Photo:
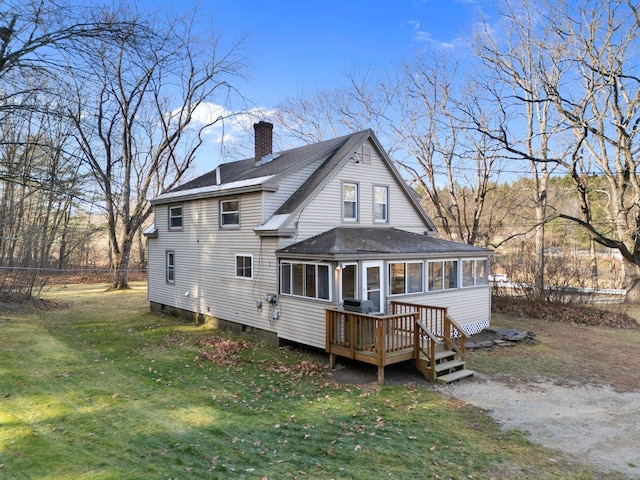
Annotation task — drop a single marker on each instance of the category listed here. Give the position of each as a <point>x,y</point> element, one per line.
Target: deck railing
<point>437,322</point>
<point>376,339</point>
<point>411,332</point>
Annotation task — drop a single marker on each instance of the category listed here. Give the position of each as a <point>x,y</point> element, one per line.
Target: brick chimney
<point>264,139</point>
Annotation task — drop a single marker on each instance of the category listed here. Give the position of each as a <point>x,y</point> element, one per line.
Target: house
<point>271,245</point>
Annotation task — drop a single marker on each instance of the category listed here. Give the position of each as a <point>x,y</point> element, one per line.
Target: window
<point>229,213</point>
<point>443,275</point>
<point>349,281</point>
<point>244,266</point>
<point>405,278</point>
<point>350,202</point>
<point>474,273</point>
<point>170,266</point>
<point>380,204</point>
<point>305,280</point>
<point>175,217</point>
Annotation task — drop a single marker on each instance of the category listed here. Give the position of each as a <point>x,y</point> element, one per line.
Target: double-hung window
<point>350,202</point>
<point>475,272</point>
<point>230,213</point>
<point>175,217</point>
<point>170,266</point>
<point>305,280</point>
<point>380,204</point>
<point>244,266</point>
<point>405,277</point>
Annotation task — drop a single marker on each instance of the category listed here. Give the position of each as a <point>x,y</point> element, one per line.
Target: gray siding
<point>205,280</point>
<point>325,211</point>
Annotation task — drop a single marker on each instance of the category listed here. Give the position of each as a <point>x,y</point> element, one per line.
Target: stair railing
<point>425,349</point>
<point>438,323</point>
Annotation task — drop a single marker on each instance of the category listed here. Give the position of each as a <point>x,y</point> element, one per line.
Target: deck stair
<point>449,366</point>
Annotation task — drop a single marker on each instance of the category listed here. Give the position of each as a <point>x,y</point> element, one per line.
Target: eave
<point>260,184</point>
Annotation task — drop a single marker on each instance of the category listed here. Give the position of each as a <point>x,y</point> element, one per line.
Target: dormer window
<point>350,202</point>
<point>175,217</point>
<point>230,213</point>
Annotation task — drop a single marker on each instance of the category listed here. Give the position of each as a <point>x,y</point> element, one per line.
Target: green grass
<point>102,389</point>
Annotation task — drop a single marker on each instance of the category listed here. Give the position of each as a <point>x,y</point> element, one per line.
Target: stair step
<point>439,356</point>
<point>451,364</point>
<point>455,376</point>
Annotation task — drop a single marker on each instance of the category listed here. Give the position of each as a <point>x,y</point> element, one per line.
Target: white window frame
<point>475,281</point>
<point>170,267</point>
<point>356,202</point>
<point>385,204</point>
<point>406,282</point>
<point>244,267</point>
<point>443,274</point>
<point>303,287</point>
<point>223,214</point>
<point>173,217</point>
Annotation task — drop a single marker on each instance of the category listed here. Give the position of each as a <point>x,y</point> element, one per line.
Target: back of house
<point>267,244</point>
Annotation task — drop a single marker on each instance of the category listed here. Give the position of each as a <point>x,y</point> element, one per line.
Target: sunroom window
<point>405,277</point>
<point>475,272</point>
<point>309,280</point>
<point>443,275</point>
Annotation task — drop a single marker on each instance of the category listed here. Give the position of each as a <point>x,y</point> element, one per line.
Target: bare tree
<point>519,59</point>
<point>599,99</point>
<point>133,110</point>
<point>414,110</point>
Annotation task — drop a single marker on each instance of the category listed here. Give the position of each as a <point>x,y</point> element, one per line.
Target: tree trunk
<point>122,266</point>
<point>632,282</point>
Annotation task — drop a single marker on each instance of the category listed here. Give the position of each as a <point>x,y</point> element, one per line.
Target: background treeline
<point>523,137</point>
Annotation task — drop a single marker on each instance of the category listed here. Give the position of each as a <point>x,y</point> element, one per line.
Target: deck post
<point>381,375</point>
<point>332,361</point>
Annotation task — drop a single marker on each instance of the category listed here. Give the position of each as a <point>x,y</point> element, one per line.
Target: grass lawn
<point>102,389</point>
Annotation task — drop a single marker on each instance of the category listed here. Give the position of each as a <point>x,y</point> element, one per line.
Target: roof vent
<point>263,140</point>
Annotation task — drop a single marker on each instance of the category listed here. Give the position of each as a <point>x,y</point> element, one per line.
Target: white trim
<point>364,290</point>
<point>210,189</point>
<point>235,266</point>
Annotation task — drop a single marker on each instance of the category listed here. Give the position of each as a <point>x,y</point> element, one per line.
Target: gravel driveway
<point>595,425</point>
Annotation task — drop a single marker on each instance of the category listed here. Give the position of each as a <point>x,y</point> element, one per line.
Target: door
<point>373,284</point>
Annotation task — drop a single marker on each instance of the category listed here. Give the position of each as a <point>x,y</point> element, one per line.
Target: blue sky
<point>296,47</point>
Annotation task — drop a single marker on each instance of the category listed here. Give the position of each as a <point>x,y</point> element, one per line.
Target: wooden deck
<point>383,340</point>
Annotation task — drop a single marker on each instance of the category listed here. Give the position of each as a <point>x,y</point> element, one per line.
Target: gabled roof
<point>247,175</point>
<point>246,170</point>
<point>350,243</point>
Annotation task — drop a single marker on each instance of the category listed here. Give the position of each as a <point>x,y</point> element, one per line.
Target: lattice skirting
<point>475,327</point>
